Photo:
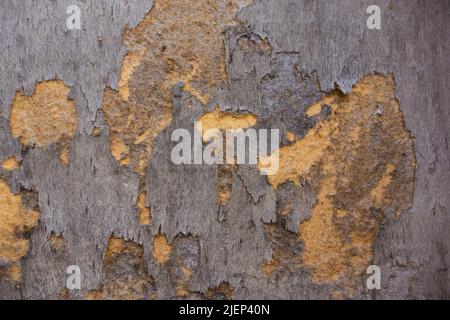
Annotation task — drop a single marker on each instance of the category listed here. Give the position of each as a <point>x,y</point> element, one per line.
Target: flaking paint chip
<point>15,220</point>
<point>45,117</point>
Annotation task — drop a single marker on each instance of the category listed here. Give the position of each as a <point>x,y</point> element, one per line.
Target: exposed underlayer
<point>178,41</point>
<point>360,163</point>
<point>16,223</point>
<point>46,117</point>
<point>86,176</point>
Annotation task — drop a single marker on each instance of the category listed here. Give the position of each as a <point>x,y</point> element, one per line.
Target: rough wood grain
<point>280,58</point>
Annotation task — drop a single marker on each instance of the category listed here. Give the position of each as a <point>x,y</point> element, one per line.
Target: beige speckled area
<point>45,117</point>
<point>10,164</point>
<point>361,164</point>
<point>131,61</point>
<point>15,220</point>
<point>223,121</point>
<point>178,41</point>
<point>161,249</point>
<point>145,216</point>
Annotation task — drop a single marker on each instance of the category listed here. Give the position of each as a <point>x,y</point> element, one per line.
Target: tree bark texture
<point>87,180</point>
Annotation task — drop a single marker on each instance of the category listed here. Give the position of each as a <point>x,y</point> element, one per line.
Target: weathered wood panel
<point>85,145</point>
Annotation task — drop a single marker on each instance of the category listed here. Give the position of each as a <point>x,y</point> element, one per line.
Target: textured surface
<point>177,41</point>
<point>85,144</point>
<point>16,222</point>
<point>360,162</point>
<point>44,118</point>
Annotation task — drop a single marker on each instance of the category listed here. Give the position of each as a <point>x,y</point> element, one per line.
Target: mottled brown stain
<point>161,249</point>
<point>182,266</point>
<point>360,162</point>
<point>285,248</point>
<point>64,294</point>
<point>124,272</point>
<point>10,164</point>
<point>255,44</point>
<point>177,41</point>
<point>130,62</point>
<point>46,117</point>
<point>15,222</point>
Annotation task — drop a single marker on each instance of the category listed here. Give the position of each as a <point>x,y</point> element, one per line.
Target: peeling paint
<point>361,164</point>
<point>131,61</point>
<point>15,222</point>
<point>183,266</point>
<point>178,41</point>
<point>46,117</point>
